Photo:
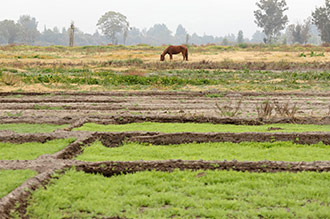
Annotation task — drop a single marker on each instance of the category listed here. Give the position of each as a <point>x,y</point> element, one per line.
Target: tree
<point>28,29</point>
<point>270,16</point>
<point>299,33</point>
<point>9,31</point>
<point>180,34</point>
<point>258,37</point>
<point>240,37</point>
<point>321,18</point>
<point>187,39</point>
<point>159,34</point>
<point>113,23</point>
<point>225,42</point>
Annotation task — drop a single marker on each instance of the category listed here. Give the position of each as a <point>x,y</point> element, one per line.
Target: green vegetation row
<point>246,151</point>
<point>10,179</point>
<point>184,194</point>
<point>259,80</point>
<point>200,127</point>
<point>31,128</point>
<point>31,150</point>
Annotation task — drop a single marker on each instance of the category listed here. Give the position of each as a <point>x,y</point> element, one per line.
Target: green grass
<point>10,179</point>
<point>31,128</point>
<point>161,76</point>
<point>182,194</point>
<point>246,151</point>
<point>31,150</point>
<point>199,127</point>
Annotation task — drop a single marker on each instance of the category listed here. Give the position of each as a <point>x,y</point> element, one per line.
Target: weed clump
<point>230,110</point>
<point>10,79</point>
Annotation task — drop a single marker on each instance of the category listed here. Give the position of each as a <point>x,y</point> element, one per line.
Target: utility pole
<point>71,32</point>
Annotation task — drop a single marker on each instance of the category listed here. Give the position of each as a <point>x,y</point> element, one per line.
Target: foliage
<point>184,194</point>
<point>9,30</point>
<point>270,16</point>
<point>10,179</point>
<point>299,33</point>
<point>321,18</point>
<point>31,150</point>
<point>112,23</point>
<point>240,37</point>
<point>251,151</point>
<point>199,127</point>
<point>159,32</point>
<point>28,29</point>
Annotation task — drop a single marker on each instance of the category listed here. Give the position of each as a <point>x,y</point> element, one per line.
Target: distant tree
<point>9,31</point>
<point>225,42</point>
<point>321,18</point>
<point>159,34</point>
<point>28,29</point>
<point>258,37</point>
<point>52,37</point>
<point>187,39</point>
<point>207,39</point>
<point>195,39</point>
<point>270,16</point>
<point>240,37</point>
<point>134,36</point>
<point>113,23</point>
<point>299,33</point>
<point>180,34</point>
<point>315,37</point>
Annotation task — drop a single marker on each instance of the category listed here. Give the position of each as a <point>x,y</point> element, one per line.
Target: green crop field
<point>200,127</point>
<point>31,150</point>
<point>31,128</point>
<point>10,179</point>
<point>184,194</point>
<point>283,87</point>
<point>246,151</point>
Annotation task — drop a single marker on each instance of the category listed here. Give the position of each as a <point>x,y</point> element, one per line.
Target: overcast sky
<point>211,17</point>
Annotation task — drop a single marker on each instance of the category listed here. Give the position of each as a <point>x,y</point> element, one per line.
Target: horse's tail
<point>187,54</point>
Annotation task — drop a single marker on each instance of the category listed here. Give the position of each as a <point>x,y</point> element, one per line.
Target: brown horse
<point>175,50</point>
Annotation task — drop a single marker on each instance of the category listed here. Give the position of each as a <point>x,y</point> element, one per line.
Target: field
<point>237,131</point>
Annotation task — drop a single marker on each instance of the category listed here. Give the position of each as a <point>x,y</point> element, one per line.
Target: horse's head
<point>162,57</point>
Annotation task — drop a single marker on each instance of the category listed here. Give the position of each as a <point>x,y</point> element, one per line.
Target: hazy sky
<point>211,17</point>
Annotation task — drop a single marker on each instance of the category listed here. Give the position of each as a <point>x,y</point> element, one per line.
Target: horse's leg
<point>171,57</point>
<point>185,55</point>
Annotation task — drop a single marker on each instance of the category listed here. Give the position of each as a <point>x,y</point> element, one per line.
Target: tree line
<point>114,28</point>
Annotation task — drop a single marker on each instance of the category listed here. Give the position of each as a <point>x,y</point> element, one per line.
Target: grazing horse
<point>175,50</point>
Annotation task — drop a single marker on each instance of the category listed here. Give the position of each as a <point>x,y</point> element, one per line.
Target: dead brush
<point>285,110</point>
<point>230,110</point>
<point>133,71</point>
<point>265,109</point>
<point>10,79</point>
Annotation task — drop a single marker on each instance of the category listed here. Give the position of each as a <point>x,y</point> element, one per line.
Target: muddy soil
<point>69,107</point>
